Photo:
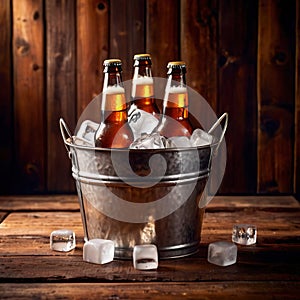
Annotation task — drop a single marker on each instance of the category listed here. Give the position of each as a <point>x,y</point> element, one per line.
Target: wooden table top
<point>270,269</point>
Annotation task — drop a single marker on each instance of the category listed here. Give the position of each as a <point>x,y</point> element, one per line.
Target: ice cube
<point>222,253</point>
<point>179,142</point>
<point>82,142</point>
<point>149,141</point>
<point>87,131</point>
<point>141,121</point>
<point>244,234</point>
<point>200,138</point>
<point>145,257</point>
<point>62,240</point>
<point>98,251</point>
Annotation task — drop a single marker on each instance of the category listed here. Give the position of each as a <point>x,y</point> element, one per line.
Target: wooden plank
<point>127,23</point>
<point>154,291</point>
<point>6,103</point>
<point>199,46</point>
<point>39,203</point>
<point>61,90</point>
<point>255,202</point>
<point>162,33</point>
<point>236,95</point>
<point>275,229</point>
<point>70,203</point>
<point>30,133</point>
<point>2,216</point>
<point>65,267</point>
<point>92,49</point>
<point>297,106</point>
<point>276,87</point>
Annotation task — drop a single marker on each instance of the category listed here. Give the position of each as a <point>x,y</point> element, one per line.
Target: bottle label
<point>113,99</point>
<point>142,87</point>
<point>177,97</point>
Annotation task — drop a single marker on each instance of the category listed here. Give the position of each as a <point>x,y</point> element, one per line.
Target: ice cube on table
<point>222,253</point>
<point>62,240</point>
<point>244,234</point>
<point>145,257</point>
<point>200,137</point>
<point>141,121</point>
<point>179,142</point>
<point>149,141</point>
<point>98,251</point>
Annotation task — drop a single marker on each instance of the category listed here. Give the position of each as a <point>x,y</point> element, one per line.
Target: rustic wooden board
<point>256,202</point>
<point>297,106</point>
<point>276,86</point>
<point>265,267</point>
<point>154,291</point>
<point>273,228</point>
<point>39,203</point>
<point>163,44</point>
<point>61,90</point>
<point>70,203</point>
<point>92,49</point>
<point>199,47</point>
<point>237,92</point>
<point>6,129</point>
<point>127,32</point>
<point>29,116</point>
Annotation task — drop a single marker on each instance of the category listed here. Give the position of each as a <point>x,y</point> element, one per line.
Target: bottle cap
<point>112,62</point>
<point>142,56</point>
<point>176,64</point>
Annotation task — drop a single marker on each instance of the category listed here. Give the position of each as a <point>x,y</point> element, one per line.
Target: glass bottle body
<point>175,119</point>
<point>142,93</point>
<point>114,130</point>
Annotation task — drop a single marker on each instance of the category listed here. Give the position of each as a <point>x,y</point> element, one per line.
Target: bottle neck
<point>176,95</point>
<point>142,83</point>
<point>112,79</point>
<point>113,94</point>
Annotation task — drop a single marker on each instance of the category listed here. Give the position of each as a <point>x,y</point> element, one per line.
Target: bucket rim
<point>69,142</point>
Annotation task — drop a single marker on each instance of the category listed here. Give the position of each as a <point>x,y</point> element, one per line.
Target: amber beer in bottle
<point>142,93</point>
<point>113,131</point>
<point>175,119</point>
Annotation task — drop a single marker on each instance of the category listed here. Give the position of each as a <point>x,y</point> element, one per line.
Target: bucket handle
<point>215,125</point>
<point>66,134</point>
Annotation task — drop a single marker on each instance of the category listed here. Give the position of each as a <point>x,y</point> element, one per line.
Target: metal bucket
<point>154,198</point>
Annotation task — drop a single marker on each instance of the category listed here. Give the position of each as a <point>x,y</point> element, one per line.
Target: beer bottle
<point>144,112</point>
<point>175,119</point>
<point>142,93</point>
<point>113,131</point>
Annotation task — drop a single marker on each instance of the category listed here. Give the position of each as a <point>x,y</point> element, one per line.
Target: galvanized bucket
<point>142,196</point>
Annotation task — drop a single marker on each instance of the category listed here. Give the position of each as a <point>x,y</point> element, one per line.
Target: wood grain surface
<point>269,269</point>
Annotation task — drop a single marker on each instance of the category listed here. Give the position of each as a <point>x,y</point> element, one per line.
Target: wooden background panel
<point>242,56</point>
<point>297,106</point>
<point>61,90</point>
<point>236,94</point>
<point>162,34</point>
<point>276,86</point>
<point>199,47</point>
<point>6,109</point>
<point>127,31</point>
<point>92,48</point>
<point>29,95</point>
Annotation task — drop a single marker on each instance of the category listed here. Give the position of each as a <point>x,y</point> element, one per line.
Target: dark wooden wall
<point>242,56</point>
